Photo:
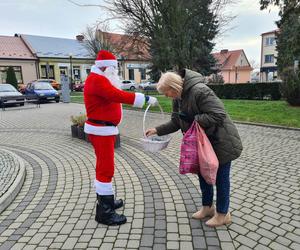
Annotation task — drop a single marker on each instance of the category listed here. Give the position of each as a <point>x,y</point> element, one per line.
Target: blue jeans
<point>223,189</point>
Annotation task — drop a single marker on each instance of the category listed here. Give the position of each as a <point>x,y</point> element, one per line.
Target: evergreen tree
<point>178,33</point>
<point>11,77</point>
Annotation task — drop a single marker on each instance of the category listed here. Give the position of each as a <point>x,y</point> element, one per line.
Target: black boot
<point>105,211</point>
<point>119,203</point>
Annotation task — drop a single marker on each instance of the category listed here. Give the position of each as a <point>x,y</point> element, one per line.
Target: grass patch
<point>268,112</point>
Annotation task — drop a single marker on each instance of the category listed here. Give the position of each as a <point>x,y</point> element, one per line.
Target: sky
<point>60,18</point>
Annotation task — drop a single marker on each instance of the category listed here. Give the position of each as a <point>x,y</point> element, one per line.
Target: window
<point>131,74</point>
<point>63,70</point>
<point>18,72</point>
<point>76,72</point>
<point>269,58</point>
<point>143,74</point>
<point>47,71</point>
<point>270,41</point>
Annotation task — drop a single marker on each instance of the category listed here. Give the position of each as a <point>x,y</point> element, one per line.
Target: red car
<point>78,86</point>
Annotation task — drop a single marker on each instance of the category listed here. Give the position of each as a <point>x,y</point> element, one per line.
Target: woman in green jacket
<point>193,100</point>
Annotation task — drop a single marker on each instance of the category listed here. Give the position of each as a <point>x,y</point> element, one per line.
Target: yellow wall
<point>83,64</point>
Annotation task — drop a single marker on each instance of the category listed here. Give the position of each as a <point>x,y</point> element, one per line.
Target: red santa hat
<point>105,59</point>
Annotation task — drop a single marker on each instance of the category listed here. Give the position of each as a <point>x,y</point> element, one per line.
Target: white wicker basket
<point>154,143</point>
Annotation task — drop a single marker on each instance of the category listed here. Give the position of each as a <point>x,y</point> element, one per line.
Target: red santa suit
<point>104,112</point>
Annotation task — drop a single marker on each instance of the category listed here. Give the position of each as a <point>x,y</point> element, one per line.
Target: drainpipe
<point>37,68</point>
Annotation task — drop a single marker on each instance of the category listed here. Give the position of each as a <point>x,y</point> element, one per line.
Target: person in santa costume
<point>103,100</point>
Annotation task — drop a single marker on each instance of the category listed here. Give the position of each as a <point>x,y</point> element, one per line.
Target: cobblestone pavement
<point>8,172</point>
<point>55,207</point>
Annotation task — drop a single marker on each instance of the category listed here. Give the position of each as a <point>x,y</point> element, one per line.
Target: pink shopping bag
<point>208,161</point>
<point>189,152</point>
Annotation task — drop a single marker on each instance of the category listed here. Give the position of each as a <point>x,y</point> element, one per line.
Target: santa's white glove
<point>151,100</point>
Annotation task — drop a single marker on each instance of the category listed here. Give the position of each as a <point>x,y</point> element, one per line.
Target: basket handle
<point>144,118</point>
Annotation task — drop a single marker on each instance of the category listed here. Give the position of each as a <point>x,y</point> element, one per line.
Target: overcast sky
<point>60,18</point>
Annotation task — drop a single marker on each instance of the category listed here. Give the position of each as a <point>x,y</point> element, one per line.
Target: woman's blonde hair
<point>170,80</point>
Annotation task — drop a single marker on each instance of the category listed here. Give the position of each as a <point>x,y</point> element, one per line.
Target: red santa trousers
<point>104,150</point>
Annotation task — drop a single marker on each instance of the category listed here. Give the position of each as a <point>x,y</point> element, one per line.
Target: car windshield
<point>7,88</point>
<point>42,86</point>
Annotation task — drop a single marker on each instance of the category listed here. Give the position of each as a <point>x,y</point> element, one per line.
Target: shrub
<point>11,77</point>
<point>249,91</point>
<point>78,120</point>
<point>291,86</point>
<point>216,79</point>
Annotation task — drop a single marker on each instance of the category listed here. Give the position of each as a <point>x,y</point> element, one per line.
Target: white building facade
<point>268,61</point>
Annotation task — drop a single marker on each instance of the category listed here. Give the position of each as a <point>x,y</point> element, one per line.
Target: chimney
<point>224,51</point>
<point>79,38</point>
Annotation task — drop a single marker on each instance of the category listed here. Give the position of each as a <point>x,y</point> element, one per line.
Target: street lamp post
<point>71,71</point>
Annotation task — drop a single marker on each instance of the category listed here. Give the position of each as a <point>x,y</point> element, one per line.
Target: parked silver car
<point>150,85</point>
<point>128,85</point>
<point>10,96</point>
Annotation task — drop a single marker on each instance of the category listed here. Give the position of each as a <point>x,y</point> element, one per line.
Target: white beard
<point>112,74</point>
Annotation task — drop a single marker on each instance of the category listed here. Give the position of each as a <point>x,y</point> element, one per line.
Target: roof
<point>127,46</point>
<point>270,32</point>
<point>226,59</point>
<point>55,47</point>
<point>13,48</point>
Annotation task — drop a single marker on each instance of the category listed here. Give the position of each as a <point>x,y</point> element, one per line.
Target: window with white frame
<point>131,74</point>
<point>270,41</point>
<point>17,70</point>
<point>47,71</point>
<point>269,58</point>
<point>143,74</point>
<point>76,72</point>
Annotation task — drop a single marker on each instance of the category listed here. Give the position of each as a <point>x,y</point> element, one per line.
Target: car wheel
<point>57,100</point>
<point>132,88</point>
<point>22,104</point>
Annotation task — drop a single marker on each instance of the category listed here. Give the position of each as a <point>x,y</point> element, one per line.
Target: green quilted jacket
<point>200,102</point>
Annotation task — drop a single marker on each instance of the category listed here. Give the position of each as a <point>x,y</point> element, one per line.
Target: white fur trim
<point>106,63</point>
<point>100,130</point>
<point>139,100</point>
<point>104,188</point>
<point>96,70</point>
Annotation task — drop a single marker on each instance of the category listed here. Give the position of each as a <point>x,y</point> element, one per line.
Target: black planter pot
<point>74,131</point>
<point>86,137</point>
<point>81,134</point>
<point>117,141</point>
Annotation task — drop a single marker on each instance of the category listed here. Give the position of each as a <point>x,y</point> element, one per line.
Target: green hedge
<point>249,91</point>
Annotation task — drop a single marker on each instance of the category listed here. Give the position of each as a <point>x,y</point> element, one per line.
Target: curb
<point>238,122</point>
<point>266,125</point>
<point>243,122</point>
<point>16,186</point>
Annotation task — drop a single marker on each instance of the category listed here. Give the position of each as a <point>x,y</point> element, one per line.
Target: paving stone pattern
<point>55,208</point>
<point>9,168</point>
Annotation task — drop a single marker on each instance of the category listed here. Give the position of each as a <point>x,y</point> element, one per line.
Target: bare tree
<point>254,64</point>
<point>177,33</point>
<point>95,40</point>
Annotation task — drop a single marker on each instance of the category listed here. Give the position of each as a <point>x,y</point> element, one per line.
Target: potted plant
<point>81,121</point>
<point>74,126</point>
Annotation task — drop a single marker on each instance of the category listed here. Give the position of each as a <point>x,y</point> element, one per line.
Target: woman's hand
<point>151,131</point>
